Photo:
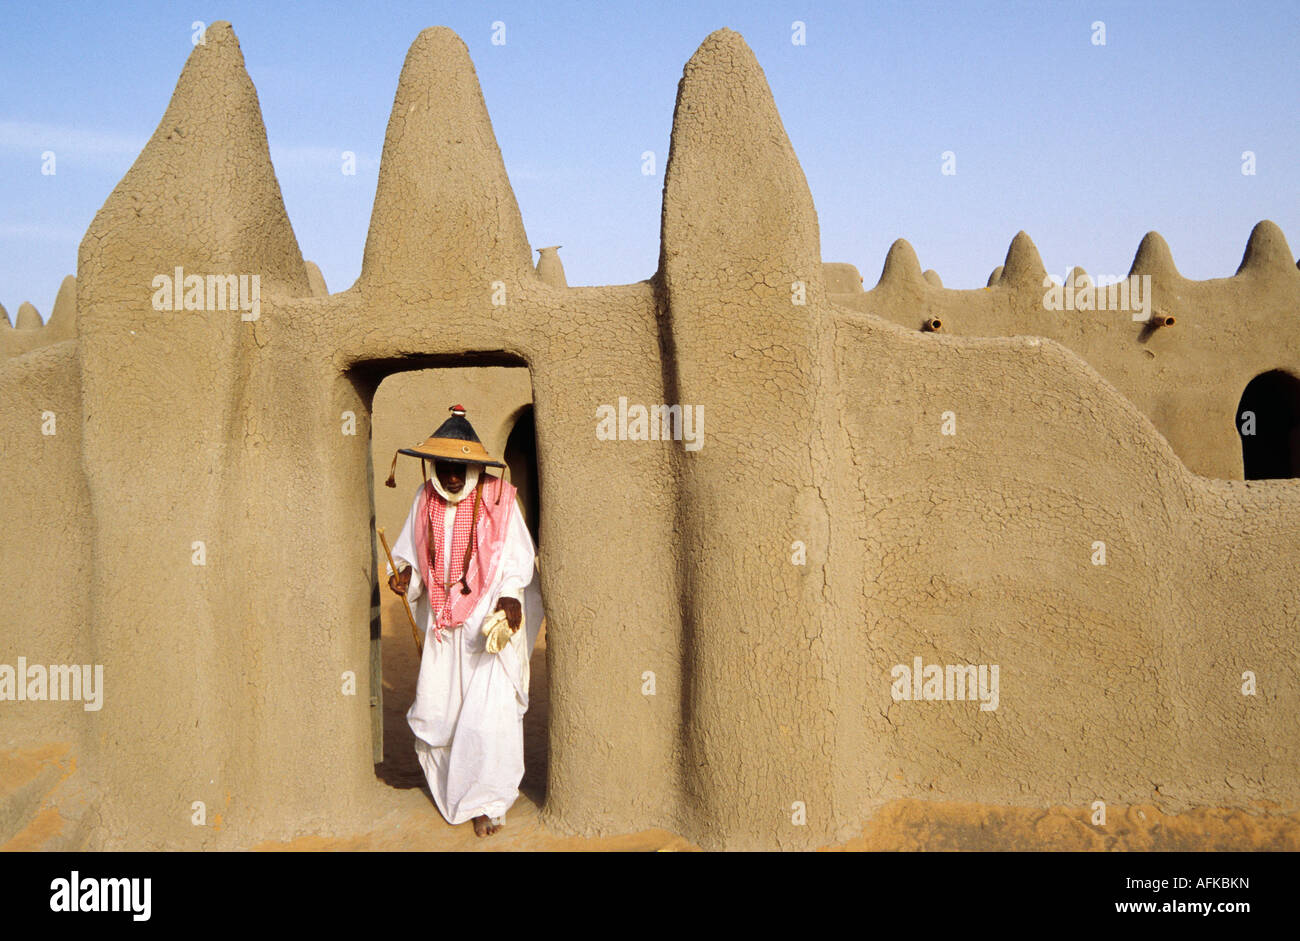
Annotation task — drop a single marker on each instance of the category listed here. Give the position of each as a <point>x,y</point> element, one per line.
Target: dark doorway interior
<point>521,457</point>
<point>1268,421</point>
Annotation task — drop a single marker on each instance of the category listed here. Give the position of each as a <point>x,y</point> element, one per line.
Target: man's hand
<point>401,581</point>
<point>513,610</point>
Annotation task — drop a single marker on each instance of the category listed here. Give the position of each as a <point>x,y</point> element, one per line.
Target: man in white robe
<point>469,704</point>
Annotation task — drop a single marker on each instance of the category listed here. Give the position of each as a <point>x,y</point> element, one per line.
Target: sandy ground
<point>29,780</point>
<point>40,807</point>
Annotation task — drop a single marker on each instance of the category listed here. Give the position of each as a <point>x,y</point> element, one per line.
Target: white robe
<point>469,704</point>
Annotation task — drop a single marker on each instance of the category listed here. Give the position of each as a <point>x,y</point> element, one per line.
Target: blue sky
<point>1085,147</point>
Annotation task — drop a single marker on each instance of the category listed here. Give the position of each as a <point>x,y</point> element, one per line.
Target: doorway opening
<point>406,407</point>
<point>1268,422</point>
<point>521,456</point>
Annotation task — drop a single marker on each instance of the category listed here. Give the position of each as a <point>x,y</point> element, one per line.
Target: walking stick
<point>415,631</point>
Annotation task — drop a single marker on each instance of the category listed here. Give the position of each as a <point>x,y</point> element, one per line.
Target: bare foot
<point>483,826</point>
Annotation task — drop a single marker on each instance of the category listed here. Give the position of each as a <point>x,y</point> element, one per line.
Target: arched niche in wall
<point>1268,421</point>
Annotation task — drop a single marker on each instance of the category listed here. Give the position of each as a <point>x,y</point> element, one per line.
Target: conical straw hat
<point>454,440</point>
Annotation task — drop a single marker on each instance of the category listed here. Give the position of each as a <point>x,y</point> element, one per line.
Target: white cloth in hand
<point>497,631</point>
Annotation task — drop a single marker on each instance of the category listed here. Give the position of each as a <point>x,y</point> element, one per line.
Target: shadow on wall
<point>1268,421</point>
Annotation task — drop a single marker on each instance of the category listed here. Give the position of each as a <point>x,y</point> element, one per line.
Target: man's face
<point>450,475</point>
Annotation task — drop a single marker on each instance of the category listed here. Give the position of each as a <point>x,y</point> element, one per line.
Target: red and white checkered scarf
<point>450,606</point>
